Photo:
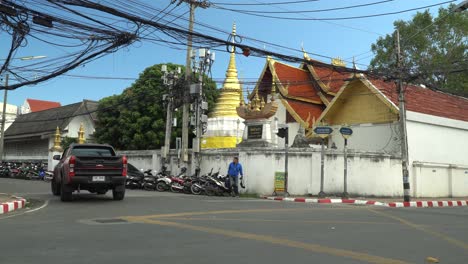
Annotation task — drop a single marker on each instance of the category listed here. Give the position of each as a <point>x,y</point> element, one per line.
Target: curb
<point>12,206</point>
<point>366,202</point>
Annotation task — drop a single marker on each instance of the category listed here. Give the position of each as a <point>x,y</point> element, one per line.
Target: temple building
<point>303,92</point>
<point>225,127</point>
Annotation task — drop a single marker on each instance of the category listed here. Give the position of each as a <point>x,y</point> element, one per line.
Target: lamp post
<point>5,97</point>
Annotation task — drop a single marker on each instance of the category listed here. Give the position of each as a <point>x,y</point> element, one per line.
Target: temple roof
<point>307,90</point>
<point>295,88</point>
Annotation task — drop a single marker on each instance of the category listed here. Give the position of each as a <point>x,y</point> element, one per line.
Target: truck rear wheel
<point>65,192</point>
<point>55,187</point>
<point>118,194</point>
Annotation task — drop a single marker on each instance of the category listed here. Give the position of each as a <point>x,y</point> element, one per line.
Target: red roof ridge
<point>37,105</point>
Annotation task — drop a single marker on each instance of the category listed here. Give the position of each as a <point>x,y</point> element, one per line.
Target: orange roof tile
<point>303,109</point>
<point>331,78</point>
<point>426,101</point>
<point>40,105</point>
<point>299,82</point>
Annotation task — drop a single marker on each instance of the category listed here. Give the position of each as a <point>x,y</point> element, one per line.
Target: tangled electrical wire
<point>86,30</point>
<point>81,37</point>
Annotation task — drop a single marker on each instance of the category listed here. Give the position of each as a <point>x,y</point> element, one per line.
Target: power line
<point>307,11</point>
<point>259,14</point>
<point>262,4</point>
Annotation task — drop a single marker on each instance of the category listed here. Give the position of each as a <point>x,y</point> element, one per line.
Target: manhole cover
<point>110,221</point>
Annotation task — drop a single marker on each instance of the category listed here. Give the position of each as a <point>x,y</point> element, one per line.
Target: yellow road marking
<point>423,229</point>
<point>281,221</point>
<point>235,212</point>
<point>276,241</point>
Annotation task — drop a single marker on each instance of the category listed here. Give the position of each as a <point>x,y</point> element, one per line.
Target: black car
<point>134,177</point>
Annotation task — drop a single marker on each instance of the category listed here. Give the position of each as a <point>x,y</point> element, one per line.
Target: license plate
<point>99,178</point>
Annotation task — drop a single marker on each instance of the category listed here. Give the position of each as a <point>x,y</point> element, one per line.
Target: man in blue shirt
<point>234,169</point>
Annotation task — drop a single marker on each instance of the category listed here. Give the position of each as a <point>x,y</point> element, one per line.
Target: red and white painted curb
<point>366,202</point>
<point>12,206</point>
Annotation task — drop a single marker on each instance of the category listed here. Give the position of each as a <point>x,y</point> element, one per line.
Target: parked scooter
<point>177,182</point>
<point>151,181</point>
<point>217,185</point>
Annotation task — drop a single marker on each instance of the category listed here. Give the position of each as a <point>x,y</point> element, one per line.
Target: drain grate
<point>110,221</point>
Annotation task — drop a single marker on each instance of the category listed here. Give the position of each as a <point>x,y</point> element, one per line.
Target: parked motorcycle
<point>150,181</point>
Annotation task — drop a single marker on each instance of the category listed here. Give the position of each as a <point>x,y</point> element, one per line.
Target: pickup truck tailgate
<point>98,166</point>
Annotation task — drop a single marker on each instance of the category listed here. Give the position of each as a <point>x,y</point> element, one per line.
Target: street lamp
<point>5,96</point>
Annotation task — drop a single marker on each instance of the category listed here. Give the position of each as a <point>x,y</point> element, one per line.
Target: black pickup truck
<point>92,167</point>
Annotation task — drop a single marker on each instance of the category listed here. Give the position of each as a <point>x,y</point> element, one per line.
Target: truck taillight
<point>124,166</point>
<point>71,166</point>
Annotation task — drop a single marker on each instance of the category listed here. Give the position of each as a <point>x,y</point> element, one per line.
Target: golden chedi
<point>225,127</point>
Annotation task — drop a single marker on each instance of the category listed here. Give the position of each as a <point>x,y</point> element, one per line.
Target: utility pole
<point>202,66</point>
<point>186,106</point>
<point>283,132</point>
<point>170,79</point>
<point>2,137</point>
<point>403,134</point>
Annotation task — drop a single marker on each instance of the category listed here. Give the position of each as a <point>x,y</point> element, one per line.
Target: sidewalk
<point>9,203</point>
<point>385,202</point>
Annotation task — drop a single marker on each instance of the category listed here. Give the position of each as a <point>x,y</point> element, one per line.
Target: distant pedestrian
<point>235,168</point>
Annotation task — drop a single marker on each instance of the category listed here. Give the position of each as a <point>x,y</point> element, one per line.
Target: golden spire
<point>81,138</point>
<point>57,141</point>
<point>231,93</point>
<point>305,55</point>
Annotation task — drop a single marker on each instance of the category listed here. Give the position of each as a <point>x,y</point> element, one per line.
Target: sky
<point>343,38</point>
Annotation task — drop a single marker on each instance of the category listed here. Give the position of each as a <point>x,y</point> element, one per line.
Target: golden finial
<point>81,138</point>
<point>234,28</point>
<point>305,55</point>
<point>256,102</point>
<point>338,62</point>
<point>354,63</point>
<point>57,141</point>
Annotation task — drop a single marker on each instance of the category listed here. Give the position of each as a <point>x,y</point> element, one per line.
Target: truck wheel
<point>55,188</point>
<point>118,194</point>
<point>65,192</point>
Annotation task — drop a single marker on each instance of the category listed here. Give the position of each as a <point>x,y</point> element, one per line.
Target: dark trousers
<point>234,183</point>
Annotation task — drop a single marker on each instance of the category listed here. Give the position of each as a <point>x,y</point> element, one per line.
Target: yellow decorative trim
<point>380,95</point>
<point>372,89</point>
<point>249,96</point>
<point>81,137</point>
<point>57,141</point>
<point>338,62</point>
<point>219,142</point>
<point>294,114</point>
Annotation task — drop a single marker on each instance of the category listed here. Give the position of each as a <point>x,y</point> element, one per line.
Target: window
<point>92,152</point>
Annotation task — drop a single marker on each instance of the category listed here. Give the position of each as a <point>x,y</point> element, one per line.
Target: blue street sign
<point>323,130</point>
<point>346,131</point>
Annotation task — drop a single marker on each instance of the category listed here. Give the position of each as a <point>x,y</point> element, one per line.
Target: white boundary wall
<point>369,174</point>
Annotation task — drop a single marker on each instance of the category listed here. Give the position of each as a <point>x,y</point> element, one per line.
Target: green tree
<point>434,50</point>
<point>136,118</point>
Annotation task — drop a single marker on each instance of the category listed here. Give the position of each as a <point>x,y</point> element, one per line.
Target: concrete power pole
<point>188,72</point>
<point>2,137</point>
<point>403,134</point>
<point>170,79</point>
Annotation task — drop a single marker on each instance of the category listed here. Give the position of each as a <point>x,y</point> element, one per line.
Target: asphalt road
<point>152,227</point>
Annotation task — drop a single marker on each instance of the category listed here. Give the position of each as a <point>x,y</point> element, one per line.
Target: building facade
<point>31,135</point>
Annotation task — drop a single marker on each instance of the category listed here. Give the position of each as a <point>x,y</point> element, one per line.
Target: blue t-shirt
<point>235,169</point>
